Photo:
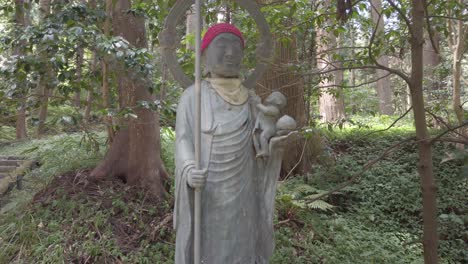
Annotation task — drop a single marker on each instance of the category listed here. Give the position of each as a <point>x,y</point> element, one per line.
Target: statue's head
<point>222,50</point>
<point>277,99</point>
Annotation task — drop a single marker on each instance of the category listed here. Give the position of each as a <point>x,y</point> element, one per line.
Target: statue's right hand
<point>197,178</point>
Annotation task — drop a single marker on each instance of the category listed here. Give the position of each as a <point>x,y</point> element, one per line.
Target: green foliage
<point>100,225</point>
<point>388,196</point>
<point>57,154</point>
<point>294,195</point>
<point>7,134</point>
<point>167,148</point>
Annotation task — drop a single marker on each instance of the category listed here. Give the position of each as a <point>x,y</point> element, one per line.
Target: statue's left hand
<point>278,143</point>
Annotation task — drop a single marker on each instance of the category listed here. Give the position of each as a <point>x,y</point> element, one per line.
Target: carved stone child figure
<point>265,124</point>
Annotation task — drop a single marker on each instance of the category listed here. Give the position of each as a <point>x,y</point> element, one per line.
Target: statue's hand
<point>197,178</point>
<point>278,143</point>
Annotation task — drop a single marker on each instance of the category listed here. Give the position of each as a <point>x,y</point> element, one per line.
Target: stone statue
<point>237,192</point>
<point>266,122</point>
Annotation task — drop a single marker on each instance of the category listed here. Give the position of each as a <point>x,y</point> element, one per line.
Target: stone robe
<point>238,197</point>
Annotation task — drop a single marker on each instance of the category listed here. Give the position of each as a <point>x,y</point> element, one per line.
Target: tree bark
<point>425,166</point>
<point>458,48</point>
<point>331,103</point>
<point>105,77</point>
<point>21,21</point>
<point>431,60</point>
<point>136,150</point>
<point>43,84</point>
<point>190,27</point>
<point>89,97</point>
<point>280,77</point>
<point>79,72</point>
<point>384,90</point>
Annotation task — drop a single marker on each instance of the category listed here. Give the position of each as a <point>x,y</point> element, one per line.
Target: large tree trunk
<point>135,152</point>
<point>331,103</point>
<point>281,78</point>
<point>384,90</point>
<point>425,167</point>
<point>44,79</point>
<point>20,20</point>
<point>105,76</point>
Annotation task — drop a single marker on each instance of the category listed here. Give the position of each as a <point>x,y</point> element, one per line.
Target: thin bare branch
<point>402,15</point>
<point>394,123</point>
<point>447,131</point>
<point>357,85</point>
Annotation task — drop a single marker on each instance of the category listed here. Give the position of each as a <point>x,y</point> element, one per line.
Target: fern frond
<point>320,205</point>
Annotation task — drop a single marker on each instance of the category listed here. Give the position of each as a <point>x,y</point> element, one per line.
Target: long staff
<point>197,213</point>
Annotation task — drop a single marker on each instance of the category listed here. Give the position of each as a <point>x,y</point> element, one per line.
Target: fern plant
<point>295,195</point>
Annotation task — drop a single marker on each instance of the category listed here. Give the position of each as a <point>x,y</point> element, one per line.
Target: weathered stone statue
<point>237,192</point>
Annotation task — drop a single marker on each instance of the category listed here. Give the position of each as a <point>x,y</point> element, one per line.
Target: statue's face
<point>223,56</point>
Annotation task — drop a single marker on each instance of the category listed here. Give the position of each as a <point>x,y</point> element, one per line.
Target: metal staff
<point>197,213</point>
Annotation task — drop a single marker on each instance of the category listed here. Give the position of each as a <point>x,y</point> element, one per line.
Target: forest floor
<point>61,217</point>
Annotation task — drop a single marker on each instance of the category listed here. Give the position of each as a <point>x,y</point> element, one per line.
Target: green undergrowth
<point>380,214</point>
<point>76,221</point>
<point>56,155</point>
<point>375,220</point>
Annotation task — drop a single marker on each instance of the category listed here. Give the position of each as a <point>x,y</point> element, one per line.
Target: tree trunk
<point>79,72</point>
<point>44,79</point>
<point>190,27</point>
<point>331,103</point>
<point>425,167</point>
<point>20,20</point>
<point>135,152</point>
<point>431,60</point>
<point>105,77</point>
<point>89,97</point>
<point>384,90</point>
<point>458,51</point>
<point>281,78</point>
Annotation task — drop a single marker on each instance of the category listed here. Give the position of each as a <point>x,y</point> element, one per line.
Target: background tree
<point>331,103</point>
<point>21,22</point>
<point>384,90</point>
<point>135,152</point>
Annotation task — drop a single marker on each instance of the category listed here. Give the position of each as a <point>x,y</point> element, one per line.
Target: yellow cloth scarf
<point>230,89</point>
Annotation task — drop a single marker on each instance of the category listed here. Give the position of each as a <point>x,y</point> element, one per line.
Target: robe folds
<point>238,197</point>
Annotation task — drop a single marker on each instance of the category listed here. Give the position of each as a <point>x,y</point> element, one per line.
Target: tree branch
<point>441,120</point>
<point>355,86</point>
<point>447,131</point>
<point>371,56</point>
<point>403,16</point>
<point>394,122</point>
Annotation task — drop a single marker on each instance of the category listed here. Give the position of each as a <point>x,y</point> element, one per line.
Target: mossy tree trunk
<point>135,152</point>
<point>43,85</point>
<point>21,21</point>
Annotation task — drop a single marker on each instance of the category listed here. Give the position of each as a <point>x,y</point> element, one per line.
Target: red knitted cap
<point>217,29</point>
